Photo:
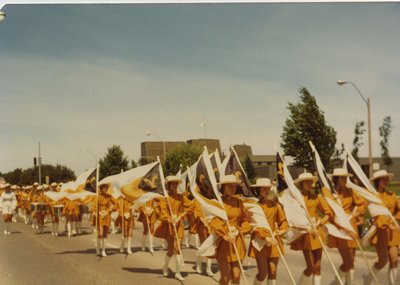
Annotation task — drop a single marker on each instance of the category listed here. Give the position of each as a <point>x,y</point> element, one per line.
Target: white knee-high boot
<point>178,260</point>
<point>129,245</point>
<point>122,246</point>
<point>143,243</point>
<point>69,229</point>
<point>350,277</point>
<point>392,276</point>
<point>56,229</point>
<point>198,264</point>
<point>73,225</point>
<point>151,243</point>
<point>103,246</point>
<point>209,270</point>
<point>271,281</point>
<point>98,242</point>
<point>257,282</point>
<point>317,279</point>
<point>165,265</point>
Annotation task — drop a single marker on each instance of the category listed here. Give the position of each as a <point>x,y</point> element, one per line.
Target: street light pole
<point>162,141</point>
<point>368,102</point>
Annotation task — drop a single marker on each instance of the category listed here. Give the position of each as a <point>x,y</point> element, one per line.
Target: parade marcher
<point>32,207</point>
<point>71,213</point>
<point>228,238</point>
<point>104,205</point>
<point>39,200</point>
<point>148,217</point>
<point>355,207</point>
<point>387,236</point>
<point>309,242</point>
<point>191,227</point>
<point>126,222</point>
<point>55,208</point>
<point>8,204</point>
<point>172,209</point>
<point>268,257</point>
<point>26,204</point>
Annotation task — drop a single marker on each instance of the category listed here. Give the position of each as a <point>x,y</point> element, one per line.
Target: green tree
<point>184,154</point>
<point>113,162</point>
<point>58,173</point>
<point>133,164</point>
<point>384,131</point>
<point>307,123</point>
<point>358,132</point>
<point>249,168</point>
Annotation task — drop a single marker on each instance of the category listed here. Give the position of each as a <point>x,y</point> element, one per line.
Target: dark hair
<point>376,183</point>
<point>335,180</point>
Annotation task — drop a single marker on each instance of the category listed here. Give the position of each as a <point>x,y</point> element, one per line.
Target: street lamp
<point>162,141</point>
<point>368,102</point>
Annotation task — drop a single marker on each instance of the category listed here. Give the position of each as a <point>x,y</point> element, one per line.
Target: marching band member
<point>105,204</point>
<point>126,222</point>
<point>309,242</point>
<point>387,236</point>
<point>32,193</point>
<point>26,204</point>
<point>55,209</point>
<point>8,203</point>
<point>71,213</point>
<point>148,217</point>
<point>268,257</point>
<point>40,201</point>
<point>180,206</point>
<point>355,207</point>
<point>228,261</point>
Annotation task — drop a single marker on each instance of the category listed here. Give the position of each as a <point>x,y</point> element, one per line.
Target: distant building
<point>149,150</point>
<point>377,164</point>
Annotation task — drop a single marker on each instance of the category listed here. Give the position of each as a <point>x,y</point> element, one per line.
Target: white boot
<point>208,270</point>
<point>256,281</point>
<point>103,251</point>
<point>196,241</point>
<point>178,261</point>
<point>143,242</point>
<point>392,276</point>
<point>56,229</point>
<point>8,225</point>
<point>113,228</point>
<point>186,240</point>
<point>52,229</point>
<point>368,277</point>
<point>151,243</point>
<point>342,276</point>
<point>98,241</point>
<point>166,263</point>
<point>271,281</point>
<point>304,280</point>
<point>129,245</point>
<point>78,227</point>
<point>350,277</point>
<point>74,228</point>
<point>317,279</point>
<point>69,229</point>
<point>164,244</point>
<point>122,247</point>
<point>198,264</point>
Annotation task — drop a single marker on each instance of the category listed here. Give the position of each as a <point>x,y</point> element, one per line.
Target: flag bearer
<point>148,216</point>
<point>126,222</point>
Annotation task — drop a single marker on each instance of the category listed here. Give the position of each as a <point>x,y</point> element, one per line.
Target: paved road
<point>31,258</point>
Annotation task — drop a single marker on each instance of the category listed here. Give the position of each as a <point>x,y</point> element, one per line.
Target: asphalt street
<point>28,257</point>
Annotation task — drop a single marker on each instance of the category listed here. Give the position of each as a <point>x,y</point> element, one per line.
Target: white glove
<point>103,213</point>
<point>233,233</point>
<point>148,211</point>
<point>175,219</point>
<point>127,215</point>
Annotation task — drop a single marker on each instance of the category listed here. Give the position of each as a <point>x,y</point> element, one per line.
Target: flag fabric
<point>85,181</point>
<point>331,197</point>
<point>376,206</point>
<point>203,187</point>
<point>216,164</point>
<point>234,166</point>
<point>281,183</point>
<point>136,182</point>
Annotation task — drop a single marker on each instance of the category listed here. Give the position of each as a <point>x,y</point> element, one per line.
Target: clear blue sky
<point>78,77</point>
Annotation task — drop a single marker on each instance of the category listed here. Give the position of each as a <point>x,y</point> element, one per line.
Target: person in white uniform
<point>8,204</point>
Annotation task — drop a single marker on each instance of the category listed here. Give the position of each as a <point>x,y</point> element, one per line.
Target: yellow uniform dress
<point>150,219</point>
<point>352,203</point>
<point>202,226</point>
<point>277,220</point>
<point>314,203</point>
<point>180,206</point>
<point>106,204</point>
<point>42,205</point>
<point>71,210</point>
<point>385,236</point>
<point>239,219</point>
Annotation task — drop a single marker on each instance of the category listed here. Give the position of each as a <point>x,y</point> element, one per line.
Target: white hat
<point>306,176</point>
<point>53,184</point>
<point>14,187</point>
<point>36,184</point>
<point>7,185</point>
<point>172,178</point>
<point>380,174</point>
<point>228,179</point>
<point>39,187</point>
<point>341,172</point>
<point>262,182</point>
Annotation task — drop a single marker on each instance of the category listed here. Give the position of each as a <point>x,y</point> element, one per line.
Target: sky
<point>81,78</point>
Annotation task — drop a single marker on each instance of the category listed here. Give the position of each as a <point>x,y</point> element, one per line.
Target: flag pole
<point>97,200</point>
<point>170,212</point>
